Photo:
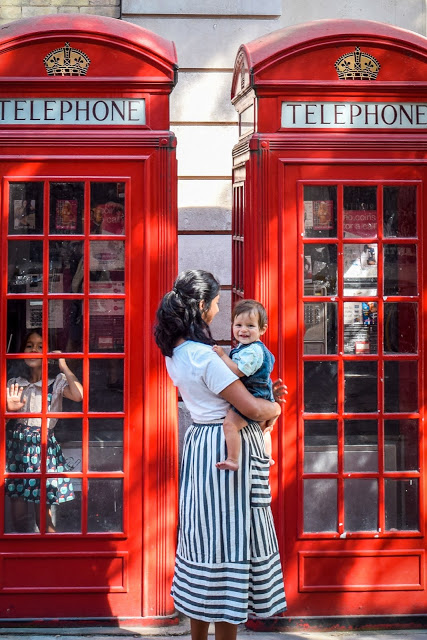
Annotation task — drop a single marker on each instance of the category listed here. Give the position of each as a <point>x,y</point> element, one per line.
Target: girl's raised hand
<point>14,400</point>
<point>61,361</point>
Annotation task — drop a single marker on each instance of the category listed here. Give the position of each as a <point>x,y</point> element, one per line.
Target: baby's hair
<point>252,307</point>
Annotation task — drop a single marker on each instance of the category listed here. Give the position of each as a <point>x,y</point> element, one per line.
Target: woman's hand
<point>279,391</point>
<point>14,400</point>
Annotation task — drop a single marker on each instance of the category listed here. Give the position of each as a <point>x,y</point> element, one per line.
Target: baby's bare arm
<point>228,361</point>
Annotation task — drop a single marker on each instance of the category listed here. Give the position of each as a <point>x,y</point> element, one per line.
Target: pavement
<point>181,632</point>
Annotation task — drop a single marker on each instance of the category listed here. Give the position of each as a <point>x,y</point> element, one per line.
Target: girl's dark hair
<point>179,314</point>
<point>27,336</point>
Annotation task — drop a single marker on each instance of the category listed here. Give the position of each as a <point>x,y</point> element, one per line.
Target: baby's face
<point>246,328</point>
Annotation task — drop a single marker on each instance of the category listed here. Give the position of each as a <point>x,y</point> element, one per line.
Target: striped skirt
<point>227,564</point>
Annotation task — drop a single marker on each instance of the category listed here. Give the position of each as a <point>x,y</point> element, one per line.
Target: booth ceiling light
<point>66,62</point>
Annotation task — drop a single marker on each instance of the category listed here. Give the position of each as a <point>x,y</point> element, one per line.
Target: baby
<point>253,363</point>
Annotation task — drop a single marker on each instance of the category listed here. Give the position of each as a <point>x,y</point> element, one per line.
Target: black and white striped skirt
<point>227,562</point>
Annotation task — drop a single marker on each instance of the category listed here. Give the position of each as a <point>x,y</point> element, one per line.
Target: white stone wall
<point>16,9</point>
<point>207,34</point>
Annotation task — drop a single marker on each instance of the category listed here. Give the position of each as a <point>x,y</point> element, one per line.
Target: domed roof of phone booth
<point>128,43</point>
<point>262,57</point>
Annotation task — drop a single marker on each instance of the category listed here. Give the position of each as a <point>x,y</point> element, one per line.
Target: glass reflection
<point>360,269</point>
<point>400,212</point>
<point>401,445</point>
<point>105,444</point>
<point>320,269</point>
<point>360,327</point>
<point>107,263</point>
<point>25,207</point>
<point>320,387</point>
<point>106,324</point>
<point>360,445</point>
<point>65,266</point>
<point>66,207</point>
<point>320,320</point>
<point>360,212</point>
<point>22,315</point>
<point>400,327</point>
<point>320,505</point>
<point>107,208</point>
<point>400,386</point>
<point>106,385</point>
<point>25,266</point>
<point>105,505</point>
<point>401,504</point>
<point>360,387</point>
<point>320,206</point>
<point>400,270</point>
<point>361,504</point>
<point>320,446</point>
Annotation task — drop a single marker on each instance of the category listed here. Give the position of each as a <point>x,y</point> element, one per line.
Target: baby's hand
<point>218,350</point>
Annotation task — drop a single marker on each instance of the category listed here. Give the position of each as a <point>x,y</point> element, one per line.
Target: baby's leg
<point>232,425</point>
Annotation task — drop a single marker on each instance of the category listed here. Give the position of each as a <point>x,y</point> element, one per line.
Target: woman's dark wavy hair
<point>179,314</point>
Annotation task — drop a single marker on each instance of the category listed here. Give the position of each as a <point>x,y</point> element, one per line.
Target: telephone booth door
<point>69,273</point>
<point>329,233</point>
<point>353,321</point>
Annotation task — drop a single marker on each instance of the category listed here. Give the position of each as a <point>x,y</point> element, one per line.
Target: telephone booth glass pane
<point>360,346</point>
<point>67,296</point>
<point>320,211</point>
<point>25,208</point>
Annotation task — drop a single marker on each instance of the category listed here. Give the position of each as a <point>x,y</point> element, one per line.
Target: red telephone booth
<point>88,227</point>
<point>328,232</point>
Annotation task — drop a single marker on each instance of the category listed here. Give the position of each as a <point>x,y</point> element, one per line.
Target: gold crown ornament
<point>66,62</point>
<point>357,65</point>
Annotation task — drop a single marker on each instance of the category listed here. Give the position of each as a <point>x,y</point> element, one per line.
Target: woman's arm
<point>256,409</point>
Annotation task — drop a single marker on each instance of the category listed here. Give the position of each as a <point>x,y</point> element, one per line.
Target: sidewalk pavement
<point>181,632</point>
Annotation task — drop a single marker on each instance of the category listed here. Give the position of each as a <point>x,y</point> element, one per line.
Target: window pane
<point>320,387</point>
<point>400,386</point>
<point>105,504</point>
<point>361,504</point>
<point>400,270</point>
<point>320,269</point>
<point>401,505</point>
<point>320,207</point>
<point>360,269</point>
<point>401,445</point>
<point>25,266</point>
<point>320,446</point>
<point>65,325</point>
<point>66,207</point>
<point>360,212</point>
<point>400,327</point>
<point>320,319</point>
<point>20,515</point>
<point>105,444</point>
<point>65,266</point>
<point>360,445</point>
<point>25,207</point>
<point>107,208</point>
<point>400,212</point>
<point>107,260</point>
<point>320,505</point>
<point>106,330</point>
<point>22,316</point>
<point>360,387</point>
<point>360,327</point>
<point>106,385</point>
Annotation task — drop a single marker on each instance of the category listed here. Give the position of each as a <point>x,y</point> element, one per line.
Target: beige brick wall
<point>16,9</point>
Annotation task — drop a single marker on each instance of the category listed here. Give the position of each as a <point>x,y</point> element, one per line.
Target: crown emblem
<point>66,62</point>
<point>357,65</point>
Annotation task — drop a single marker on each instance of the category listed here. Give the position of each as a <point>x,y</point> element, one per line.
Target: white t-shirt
<point>200,374</point>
